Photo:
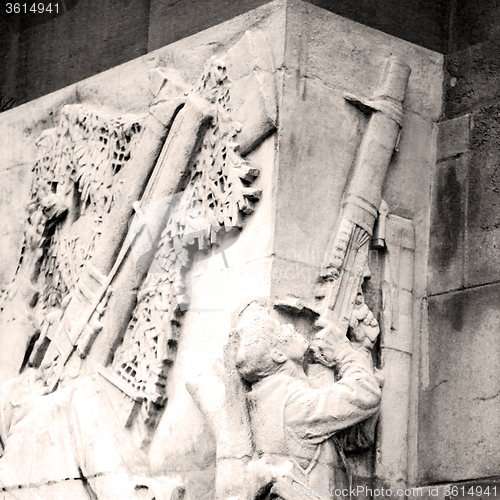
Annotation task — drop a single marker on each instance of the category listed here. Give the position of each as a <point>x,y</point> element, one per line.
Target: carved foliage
<point>213,205</point>
<point>218,194</point>
<point>76,171</point>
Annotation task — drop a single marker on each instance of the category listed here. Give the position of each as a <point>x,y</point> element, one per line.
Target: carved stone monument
<point>209,289</point>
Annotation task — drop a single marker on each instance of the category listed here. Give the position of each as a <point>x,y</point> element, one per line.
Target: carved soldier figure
<point>293,416</point>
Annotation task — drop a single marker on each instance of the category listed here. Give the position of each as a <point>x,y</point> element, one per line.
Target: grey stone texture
<point>323,66</point>
<point>483,220</point>
<point>471,95</point>
<point>472,23</point>
<point>459,402</point>
<point>441,188</point>
<point>457,419</point>
<point>447,232</point>
<point>46,52</point>
<point>471,81</point>
<point>453,137</point>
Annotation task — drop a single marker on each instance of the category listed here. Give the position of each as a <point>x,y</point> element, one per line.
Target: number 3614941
<point>35,8</point>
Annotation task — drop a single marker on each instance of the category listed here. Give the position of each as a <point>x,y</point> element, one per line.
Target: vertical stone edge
<point>391,465</point>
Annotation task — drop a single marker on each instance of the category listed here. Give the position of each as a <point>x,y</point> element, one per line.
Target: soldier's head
<point>266,344</point>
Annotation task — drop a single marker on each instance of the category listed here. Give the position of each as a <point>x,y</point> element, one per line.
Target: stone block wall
<point>459,403</point>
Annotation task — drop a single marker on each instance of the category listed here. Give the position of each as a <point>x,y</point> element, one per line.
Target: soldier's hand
<point>328,342</point>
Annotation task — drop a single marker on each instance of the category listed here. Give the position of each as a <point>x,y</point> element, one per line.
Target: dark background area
<point>41,53</point>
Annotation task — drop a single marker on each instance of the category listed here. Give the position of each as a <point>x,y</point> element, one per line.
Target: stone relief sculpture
<point>76,182</point>
<point>293,416</point>
<point>68,444</point>
<point>76,253</point>
<point>120,208</point>
<point>284,442</point>
<point>290,431</point>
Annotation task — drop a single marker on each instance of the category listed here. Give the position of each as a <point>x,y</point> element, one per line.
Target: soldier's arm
<point>319,413</point>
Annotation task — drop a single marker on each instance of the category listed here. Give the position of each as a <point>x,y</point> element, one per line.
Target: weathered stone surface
<point>471,81</point>
<point>419,24</point>
<point>285,402</point>
<point>238,191</point>
<point>397,285</point>
<point>397,339</point>
<point>119,31</point>
<point>242,273</point>
<point>345,57</point>
<point>13,200</point>
<point>172,22</point>
<point>19,131</point>
<point>111,32</point>
<point>472,23</point>
<point>327,164</point>
<point>406,190</point>
<point>459,406</point>
<point>391,469</point>
<point>183,443</point>
<point>453,137</point>
<point>126,88</point>
<point>483,217</point>
<point>447,232</point>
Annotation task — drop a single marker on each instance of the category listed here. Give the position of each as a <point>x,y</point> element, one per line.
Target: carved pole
<point>348,249</point>
<point>166,180</point>
<point>158,124</point>
<point>171,166</point>
<point>114,229</point>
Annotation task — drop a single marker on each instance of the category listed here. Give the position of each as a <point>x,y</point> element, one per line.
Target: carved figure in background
<point>75,440</point>
<point>79,289</point>
<point>364,327</point>
<point>293,415</point>
<point>79,180</point>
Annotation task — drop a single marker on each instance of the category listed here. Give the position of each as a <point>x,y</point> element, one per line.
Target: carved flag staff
<point>164,181</point>
<point>348,249</point>
<point>202,155</point>
<point>337,289</point>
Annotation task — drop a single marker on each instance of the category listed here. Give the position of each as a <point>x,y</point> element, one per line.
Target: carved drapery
<point>80,193</point>
<point>339,303</point>
<point>218,194</point>
<point>78,182</point>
